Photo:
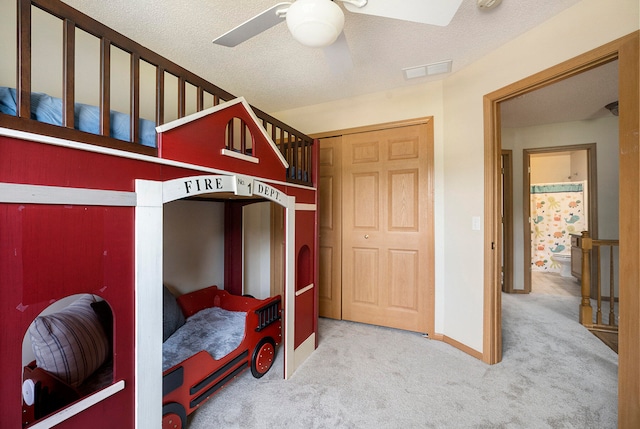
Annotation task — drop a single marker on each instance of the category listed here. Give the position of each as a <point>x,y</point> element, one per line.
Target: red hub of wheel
<point>171,421</point>
<point>265,358</point>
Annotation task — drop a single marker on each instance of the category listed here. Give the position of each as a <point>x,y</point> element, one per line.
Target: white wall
<point>256,220</point>
<point>457,107</point>
<point>550,168</point>
<point>579,166</point>
<point>8,34</point>
<point>603,132</point>
<point>193,245</point>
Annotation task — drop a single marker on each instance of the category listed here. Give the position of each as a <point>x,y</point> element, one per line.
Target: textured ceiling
<point>274,72</point>
<point>581,97</point>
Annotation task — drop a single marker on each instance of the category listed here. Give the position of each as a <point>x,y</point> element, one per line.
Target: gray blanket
<point>215,330</point>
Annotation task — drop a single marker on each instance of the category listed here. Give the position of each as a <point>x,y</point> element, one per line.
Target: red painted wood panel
<point>44,164</point>
<point>303,195</point>
<point>233,246</point>
<point>50,252</point>
<point>201,141</point>
<point>305,323</point>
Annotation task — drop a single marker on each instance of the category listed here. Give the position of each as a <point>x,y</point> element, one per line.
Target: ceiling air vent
<point>427,70</point>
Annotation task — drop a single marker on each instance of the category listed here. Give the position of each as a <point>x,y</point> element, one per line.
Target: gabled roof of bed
<point>200,139</point>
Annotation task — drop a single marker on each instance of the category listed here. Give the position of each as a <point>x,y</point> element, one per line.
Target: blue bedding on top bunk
<point>45,108</point>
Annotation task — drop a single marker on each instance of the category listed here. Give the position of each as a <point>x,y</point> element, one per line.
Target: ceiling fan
<point>319,23</point>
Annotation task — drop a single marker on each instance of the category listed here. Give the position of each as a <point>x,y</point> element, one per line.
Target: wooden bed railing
<point>295,146</point>
<point>587,317</point>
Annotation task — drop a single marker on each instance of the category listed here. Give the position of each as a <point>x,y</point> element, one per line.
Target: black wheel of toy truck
<point>263,356</point>
<point>173,416</point>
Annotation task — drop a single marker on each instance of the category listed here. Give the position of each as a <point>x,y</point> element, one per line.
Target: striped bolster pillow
<point>71,343</point>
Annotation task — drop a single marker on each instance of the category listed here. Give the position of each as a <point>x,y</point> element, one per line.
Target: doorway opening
<point>560,201</point>
<point>624,50</point>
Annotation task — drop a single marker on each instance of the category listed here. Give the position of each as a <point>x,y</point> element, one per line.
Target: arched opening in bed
<point>67,355</point>
<point>153,200</point>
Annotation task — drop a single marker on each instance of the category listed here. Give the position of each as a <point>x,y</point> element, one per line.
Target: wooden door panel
<point>404,148</point>
<point>365,195</point>
<point>365,276</point>
<point>365,152</point>
<point>330,224</point>
<point>403,200</point>
<point>327,212</point>
<point>325,290</point>
<point>326,156</point>
<point>387,265</point>
<point>403,279</point>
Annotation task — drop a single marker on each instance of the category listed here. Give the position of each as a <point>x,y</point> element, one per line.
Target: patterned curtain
<point>557,211</point>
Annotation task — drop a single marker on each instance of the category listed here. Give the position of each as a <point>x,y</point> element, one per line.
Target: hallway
<point>554,284</point>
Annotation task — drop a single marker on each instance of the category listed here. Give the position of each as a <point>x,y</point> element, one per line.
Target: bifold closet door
<point>387,228</point>
<point>330,290</point>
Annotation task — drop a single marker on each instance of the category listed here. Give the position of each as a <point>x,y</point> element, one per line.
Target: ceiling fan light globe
<point>315,23</point>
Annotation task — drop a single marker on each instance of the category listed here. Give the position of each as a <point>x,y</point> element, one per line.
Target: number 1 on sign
<point>243,186</point>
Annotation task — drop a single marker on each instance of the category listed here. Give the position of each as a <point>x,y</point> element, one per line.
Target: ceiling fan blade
<point>254,26</point>
<point>434,12</point>
<point>338,56</point>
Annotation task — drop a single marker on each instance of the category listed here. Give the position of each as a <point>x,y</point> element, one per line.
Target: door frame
<point>626,51</point>
<point>507,220</point>
<point>592,203</point>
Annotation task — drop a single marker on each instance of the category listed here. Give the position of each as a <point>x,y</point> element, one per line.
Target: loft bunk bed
<point>83,180</point>
<point>62,116</point>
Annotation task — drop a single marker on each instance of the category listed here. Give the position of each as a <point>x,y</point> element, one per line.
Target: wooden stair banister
<point>586,312</point>
<point>612,316</point>
<point>586,318</point>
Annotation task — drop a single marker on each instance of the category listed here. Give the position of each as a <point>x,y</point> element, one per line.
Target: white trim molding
<point>39,194</point>
<point>79,406</point>
<point>305,207</point>
<point>304,289</point>
<point>148,304</point>
<point>289,288</point>
<point>238,155</point>
<point>304,350</point>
